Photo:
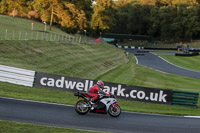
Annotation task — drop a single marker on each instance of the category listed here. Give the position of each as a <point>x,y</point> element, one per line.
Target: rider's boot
<point>91,103</point>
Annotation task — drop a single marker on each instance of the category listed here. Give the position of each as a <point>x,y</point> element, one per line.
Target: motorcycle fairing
<point>100,106</point>
<point>108,102</point>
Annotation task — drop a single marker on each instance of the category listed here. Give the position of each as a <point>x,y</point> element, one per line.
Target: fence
<point>17,75</point>
<point>41,35</point>
<point>185,98</point>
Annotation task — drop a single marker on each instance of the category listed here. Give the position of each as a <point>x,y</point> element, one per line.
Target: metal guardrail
<point>185,98</point>
<point>17,75</point>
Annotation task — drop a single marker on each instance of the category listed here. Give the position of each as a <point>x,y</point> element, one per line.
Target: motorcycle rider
<point>92,92</point>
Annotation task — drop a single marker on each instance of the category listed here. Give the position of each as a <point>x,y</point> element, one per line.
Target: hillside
<point>78,60</point>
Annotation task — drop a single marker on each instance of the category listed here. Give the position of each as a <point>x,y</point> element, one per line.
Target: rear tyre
<point>81,107</point>
<point>114,111</point>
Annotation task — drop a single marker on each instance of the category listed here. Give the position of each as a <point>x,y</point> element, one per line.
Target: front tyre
<point>114,110</point>
<point>81,107</point>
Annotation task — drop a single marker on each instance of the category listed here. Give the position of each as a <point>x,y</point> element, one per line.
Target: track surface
<point>155,62</point>
<point>65,116</point>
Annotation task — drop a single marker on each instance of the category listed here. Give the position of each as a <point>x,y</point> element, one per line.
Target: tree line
<point>172,20</point>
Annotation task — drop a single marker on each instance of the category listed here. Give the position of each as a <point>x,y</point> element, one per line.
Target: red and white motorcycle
<point>104,104</point>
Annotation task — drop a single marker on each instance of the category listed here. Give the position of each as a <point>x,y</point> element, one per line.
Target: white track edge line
<point>36,101</point>
<point>175,65</point>
<point>73,106</point>
<point>197,117</point>
<point>136,60</point>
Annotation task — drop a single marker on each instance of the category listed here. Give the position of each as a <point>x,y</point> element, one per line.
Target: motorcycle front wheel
<point>114,111</point>
<point>81,107</point>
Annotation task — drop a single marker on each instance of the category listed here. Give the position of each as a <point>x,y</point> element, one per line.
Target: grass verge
<point>191,63</point>
<point>16,127</point>
<point>77,60</point>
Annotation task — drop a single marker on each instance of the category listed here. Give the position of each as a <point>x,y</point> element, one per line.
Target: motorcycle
<point>105,104</point>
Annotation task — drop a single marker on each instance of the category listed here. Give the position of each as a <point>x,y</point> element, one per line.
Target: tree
<point>84,5</point>
<point>46,9</point>
<point>103,17</point>
<point>148,2</point>
<point>155,22</point>
<point>72,17</point>
<point>167,16</point>
<point>186,25</point>
<point>3,7</point>
<point>198,1</point>
<point>122,12</point>
<point>177,2</point>
<point>14,7</point>
<point>64,13</point>
<point>138,22</point>
<point>42,8</point>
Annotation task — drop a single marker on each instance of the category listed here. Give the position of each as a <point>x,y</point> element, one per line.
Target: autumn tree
<point>71,17</point>
<point>4,7</point>
<point>14,7</point>
<point>148,2</point>
<point>103,17</point>
<point>84,5</point>
<point>46,9</point>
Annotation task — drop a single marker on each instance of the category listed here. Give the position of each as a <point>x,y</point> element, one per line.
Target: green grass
<point>192,63</point>
<point>16,127</point>
<point>37,94</point>
<point>161,54</point>
<point>78,60</point>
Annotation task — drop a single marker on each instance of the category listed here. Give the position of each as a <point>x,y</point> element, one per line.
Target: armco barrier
<point>185,98</point>
<point>17,76</point>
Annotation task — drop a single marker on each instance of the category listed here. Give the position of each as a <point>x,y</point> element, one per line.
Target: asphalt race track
<point>65,116</point>
<point>153,61</point>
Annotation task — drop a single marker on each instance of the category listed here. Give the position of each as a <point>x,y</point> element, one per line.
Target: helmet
<point>100,83</point>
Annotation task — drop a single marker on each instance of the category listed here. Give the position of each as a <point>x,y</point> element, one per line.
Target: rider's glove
<point>107,94</point>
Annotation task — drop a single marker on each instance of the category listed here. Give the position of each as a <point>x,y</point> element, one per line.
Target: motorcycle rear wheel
<point>80,109</point>
<point>114,111</point>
